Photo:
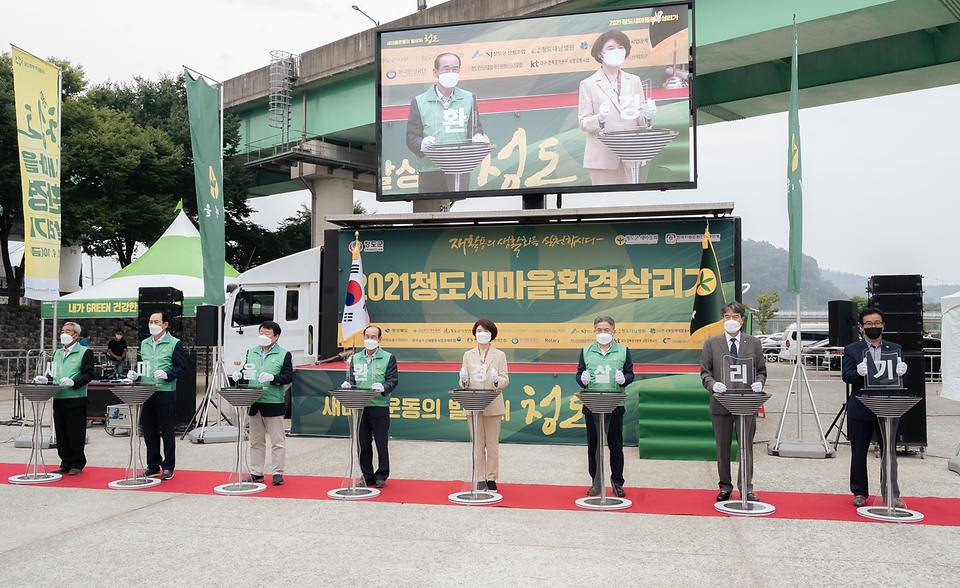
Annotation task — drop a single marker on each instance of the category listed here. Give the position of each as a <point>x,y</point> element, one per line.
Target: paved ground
<point>77,537</point>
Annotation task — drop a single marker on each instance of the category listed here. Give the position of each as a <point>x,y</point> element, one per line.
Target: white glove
<point>265,377</point>
<point>757,387</point>
<point>132,375</point>
<point>901,367</point>
<point>621,379</point>
<point>427,143</point>
<point>463,375</point>
<point>719,387</point>
<point>345,385</point>
<point>494,375</point>
<point>377,386</point>
<point>650,109</point>
<point>66,382</point>
<point>862,367</point>
<point>236,376</point>
<point>159,375</point>
<point>41,380</point>
<point>478,138</point>
<point>585,378</point>
<point>604,111</point>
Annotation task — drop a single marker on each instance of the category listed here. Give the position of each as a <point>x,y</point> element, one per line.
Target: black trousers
<point>860,434</point>
<point>70,423</point>
<point>156,420</point>
<point>613,429</point>
<point>374,426</point>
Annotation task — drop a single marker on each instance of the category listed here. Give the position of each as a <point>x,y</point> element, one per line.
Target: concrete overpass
<point>849,50</point>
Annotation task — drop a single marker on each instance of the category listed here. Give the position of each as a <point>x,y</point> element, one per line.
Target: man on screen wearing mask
<point>72,369</point>
<point>862,423</point>
<point>444,114</point>
<point>270,367</point>
<point>164,360</point>
<point>377,370</point>
<point>738,346</point>
<point>605,366</point>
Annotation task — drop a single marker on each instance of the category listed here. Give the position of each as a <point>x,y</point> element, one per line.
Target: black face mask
<point>873,332</point>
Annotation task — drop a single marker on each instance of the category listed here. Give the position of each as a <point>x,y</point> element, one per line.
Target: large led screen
<point>593,101</point>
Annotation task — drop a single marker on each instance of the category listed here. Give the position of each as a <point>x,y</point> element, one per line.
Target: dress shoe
<point>481,485</point>
<point>61,470</point>
<point>751,497</point>
<point>75,471</point>
<point>168,475</point>
<point>618,490</point>
<point>491,485</point>
<point>594,490</point>
<point>278,479</point>
<point>380,483</point>
<point>369,483</point>
<point>897,503</point>
<point>859,501</point>
<point>724,495</point>
<point>254,478</point>
<point>151,473</point>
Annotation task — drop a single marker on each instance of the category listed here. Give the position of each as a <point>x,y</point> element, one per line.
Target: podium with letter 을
<point>36,473</point>
<point>743,405</point>
<point>475,401</point>
<point>240,399</point>
<point>354,399</point>
<point>888,408</point>
<point>602,404</point>
<point>134,397</point>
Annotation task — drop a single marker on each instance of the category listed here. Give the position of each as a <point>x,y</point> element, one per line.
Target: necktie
<point>733,348</point>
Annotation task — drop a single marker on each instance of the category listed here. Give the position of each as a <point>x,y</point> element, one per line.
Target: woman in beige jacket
<point>485,368</point>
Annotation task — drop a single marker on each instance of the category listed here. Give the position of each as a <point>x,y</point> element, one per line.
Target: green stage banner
<point>542,285</point>
<point>108,308</point>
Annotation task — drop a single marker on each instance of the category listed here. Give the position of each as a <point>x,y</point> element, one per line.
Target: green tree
<point>765,310</point>
<point>861,302</point>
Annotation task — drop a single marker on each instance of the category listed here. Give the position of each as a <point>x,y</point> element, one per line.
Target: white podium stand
<point>601,404</point>
<point>458,158</point>
<point>475,401</point>
<point>636,147</point>
<point>888,408</point>
<point>354,399</point>
<point>134,397</point>
<point>38,395</point>
<point>743,405</point>
<point>240,399</point>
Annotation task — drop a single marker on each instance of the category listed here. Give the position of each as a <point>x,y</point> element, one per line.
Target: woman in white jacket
<point>485,368</point>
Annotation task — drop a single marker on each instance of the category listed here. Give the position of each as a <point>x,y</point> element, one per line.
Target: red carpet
<point>789,505</point>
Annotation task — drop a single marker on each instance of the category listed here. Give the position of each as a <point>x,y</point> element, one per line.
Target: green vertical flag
<point>203,102</point>
<point>794,179</point>
<point>707,320</point>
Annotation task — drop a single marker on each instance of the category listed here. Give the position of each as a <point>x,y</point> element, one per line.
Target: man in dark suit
<point>862,423</point>
<point>739,347</point>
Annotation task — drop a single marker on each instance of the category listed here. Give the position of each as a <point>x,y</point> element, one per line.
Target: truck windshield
<point>252,308</point>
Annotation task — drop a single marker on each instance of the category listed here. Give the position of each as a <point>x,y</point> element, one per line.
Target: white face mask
<point>731,326</point>
<point>66,339</point>
<point>265,341</point>
<point>614,57</point>
<point>155,329</point>
<point>449,80</point>
<point>483,338</point>
<point>371,344</point>
<point>118,337</point>
<point>604,338</point>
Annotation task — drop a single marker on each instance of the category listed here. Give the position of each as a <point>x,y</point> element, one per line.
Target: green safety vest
<point>603,368</point>
<point>271,363</point>
<point>449,125</point>
<point>68,366</point>
<point>367,371</point>
<point>159,358</point>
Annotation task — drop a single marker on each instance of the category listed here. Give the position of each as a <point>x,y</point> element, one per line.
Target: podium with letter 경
<point>134,397</point>
<point>355,399</point>
<point>38,395</point>
<point>602,404</point>
<point>475,401</point>
<point>742,405</point>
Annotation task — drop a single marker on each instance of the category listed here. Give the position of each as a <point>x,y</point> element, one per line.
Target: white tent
<point>950,346</point>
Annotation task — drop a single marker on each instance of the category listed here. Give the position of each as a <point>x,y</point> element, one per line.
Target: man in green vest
<point>164,360</point>
<point>72,369</point>
<point>605,366</point>
<point>268,367</point>
<point>444,114</point>
<point>377,370</point>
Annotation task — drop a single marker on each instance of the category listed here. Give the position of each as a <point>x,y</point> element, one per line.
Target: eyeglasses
<point>873,324</point>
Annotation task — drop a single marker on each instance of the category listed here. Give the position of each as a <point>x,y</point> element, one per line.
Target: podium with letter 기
<point>474,401</point>
<point>602,404</point>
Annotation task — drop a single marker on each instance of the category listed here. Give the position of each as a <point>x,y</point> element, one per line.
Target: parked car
<point>771,345</point>
<point>809,333</point>
<point>822,356</point>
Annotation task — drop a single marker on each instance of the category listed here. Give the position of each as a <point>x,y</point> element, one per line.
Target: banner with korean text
<point>37,94</point>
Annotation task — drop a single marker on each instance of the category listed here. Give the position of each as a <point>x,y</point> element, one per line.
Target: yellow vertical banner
<point>37,94</point>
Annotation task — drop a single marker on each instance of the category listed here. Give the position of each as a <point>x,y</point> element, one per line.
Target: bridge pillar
<point>330,196</point>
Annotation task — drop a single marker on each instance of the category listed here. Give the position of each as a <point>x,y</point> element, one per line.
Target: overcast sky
<point>880,185</point>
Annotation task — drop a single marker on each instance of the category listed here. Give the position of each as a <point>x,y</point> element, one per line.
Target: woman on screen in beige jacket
<point>485,368</point>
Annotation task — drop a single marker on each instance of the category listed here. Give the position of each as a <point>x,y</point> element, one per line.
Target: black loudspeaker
<point>913,424</point>
<point>901,322</point>
<point>165,299</point>
<point>207,324</point>
<point>912,284</point>
<point>898,302</point>
<point>843,326</point>
<point>911,342</point>
<point>186,404</point>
